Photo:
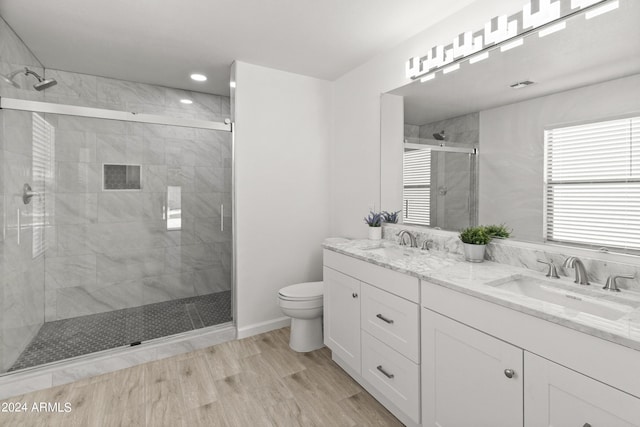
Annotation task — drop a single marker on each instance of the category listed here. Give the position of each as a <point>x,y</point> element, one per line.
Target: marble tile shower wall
<point>452,172</point>
<point>101,92</point>
<point>461,131</point>
<point>21,270</point>
<point>109,250</point>
<point>522,254</point>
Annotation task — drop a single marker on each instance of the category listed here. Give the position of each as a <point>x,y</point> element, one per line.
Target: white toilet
<point>303,303</point>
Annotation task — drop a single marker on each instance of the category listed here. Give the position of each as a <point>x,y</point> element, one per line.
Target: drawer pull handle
<point>385,373</point>
<point>384,319</point>
<point>354,295</point>
<point>510,373</point>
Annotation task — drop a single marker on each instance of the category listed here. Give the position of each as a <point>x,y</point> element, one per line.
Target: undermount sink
<point>559,294</point>
<point>394,252</point>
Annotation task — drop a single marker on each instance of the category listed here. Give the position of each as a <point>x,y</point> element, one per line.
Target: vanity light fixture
<point>504,32</point>
<point>521,84</point>
<point>198,77</point>
<point>186,101</point>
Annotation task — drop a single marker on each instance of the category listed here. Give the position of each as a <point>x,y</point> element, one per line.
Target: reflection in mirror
<point>587,72</point>
<point>439,170</point>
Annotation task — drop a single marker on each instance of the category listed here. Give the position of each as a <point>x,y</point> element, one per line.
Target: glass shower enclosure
<point>116,230</point>
<point>439,184</point>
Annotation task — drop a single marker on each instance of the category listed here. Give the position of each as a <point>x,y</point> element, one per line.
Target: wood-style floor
<point>257,381</point>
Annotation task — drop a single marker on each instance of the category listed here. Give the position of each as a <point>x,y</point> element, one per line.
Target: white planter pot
<point>375,233</point>
<point>474,253</point>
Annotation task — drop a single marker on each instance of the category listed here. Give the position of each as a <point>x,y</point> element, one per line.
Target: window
<point>592,184</point>
<point>416,177</point>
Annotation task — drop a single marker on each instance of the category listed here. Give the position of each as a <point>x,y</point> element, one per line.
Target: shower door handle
<point>221,217</point>
<point>19,226</point>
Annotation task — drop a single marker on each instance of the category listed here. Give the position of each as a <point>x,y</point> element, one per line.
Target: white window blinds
<point>592,184</point>
<point>416,175</point>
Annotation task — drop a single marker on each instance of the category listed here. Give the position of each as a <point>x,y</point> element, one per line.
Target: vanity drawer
<point>391,319</point>
<point>407,287</point>
<point>392,374</point>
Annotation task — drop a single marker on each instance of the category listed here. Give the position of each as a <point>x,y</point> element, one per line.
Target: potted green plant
<point>475,240</point>
<point>374,220</point>
<point>498,231</point>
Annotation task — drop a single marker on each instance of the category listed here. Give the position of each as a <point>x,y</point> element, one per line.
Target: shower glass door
<point>126,236</point>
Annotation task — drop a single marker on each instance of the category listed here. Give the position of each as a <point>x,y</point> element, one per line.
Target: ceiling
<point>164,41</point>
<point>586,52</point>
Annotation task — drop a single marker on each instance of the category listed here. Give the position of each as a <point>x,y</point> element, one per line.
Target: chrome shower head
<point>440,136</point>
<point>45,84</point>
<point>42,83</point>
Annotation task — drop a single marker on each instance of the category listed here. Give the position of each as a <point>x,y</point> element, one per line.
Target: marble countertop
<point>484,280</point>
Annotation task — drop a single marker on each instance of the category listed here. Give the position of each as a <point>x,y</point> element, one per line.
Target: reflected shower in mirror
<point>439,173</point>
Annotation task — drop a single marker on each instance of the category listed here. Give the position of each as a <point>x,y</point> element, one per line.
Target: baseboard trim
<point>259,328</point>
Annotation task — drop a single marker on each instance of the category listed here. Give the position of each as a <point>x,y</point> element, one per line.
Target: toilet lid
<point>308,290</point>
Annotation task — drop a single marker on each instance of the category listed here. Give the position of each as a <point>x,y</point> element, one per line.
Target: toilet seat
<point>307,291</point>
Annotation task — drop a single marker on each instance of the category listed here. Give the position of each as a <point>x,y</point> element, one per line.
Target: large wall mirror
<point>510,108</point>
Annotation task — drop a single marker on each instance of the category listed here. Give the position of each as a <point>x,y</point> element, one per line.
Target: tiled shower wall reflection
<point>450,172</point>
<point>111,249</point>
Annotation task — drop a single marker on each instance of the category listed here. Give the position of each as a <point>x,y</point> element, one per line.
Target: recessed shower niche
<point>121,177</point>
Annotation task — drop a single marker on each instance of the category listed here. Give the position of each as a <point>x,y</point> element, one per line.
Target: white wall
<point>355,146</point>
<point>282,137</point>
<point>512,146</point>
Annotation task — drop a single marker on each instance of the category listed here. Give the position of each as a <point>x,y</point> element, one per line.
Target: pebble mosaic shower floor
<point>73,337</point>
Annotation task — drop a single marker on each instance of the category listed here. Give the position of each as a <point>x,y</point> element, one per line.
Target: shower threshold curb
<point>62,372</point>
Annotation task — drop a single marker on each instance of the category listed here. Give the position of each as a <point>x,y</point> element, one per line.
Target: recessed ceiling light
<point>522,84</point>
<point>198,77</point>
<point>232,84</point>
<point>186,101</point>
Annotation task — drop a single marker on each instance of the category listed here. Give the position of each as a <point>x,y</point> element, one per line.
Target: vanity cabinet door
<point>342,316</point>
<point>468,378</point>
<point>557,396</point>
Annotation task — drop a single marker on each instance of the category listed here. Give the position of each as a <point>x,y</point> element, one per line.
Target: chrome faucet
<point>581,272</point>
<point>412,238</point>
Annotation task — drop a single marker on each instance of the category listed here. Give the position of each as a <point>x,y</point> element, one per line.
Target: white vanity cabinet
<point>372,326</point>
<point>557,396</point>
<point>469,378</point>
<point>342,316</point>
<point>487,365</point>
